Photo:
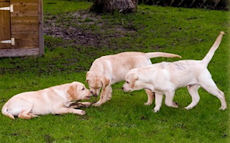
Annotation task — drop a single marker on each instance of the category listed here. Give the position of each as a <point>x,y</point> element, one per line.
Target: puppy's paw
<point>82,112</point>
<point>156,110</point>
<point>188,108</point>
<point>35,116</point>
<point>147,103</point>
<point>175,105</point>
<point>222,108</point>
<point>97,104</point>
<point>85,104</point>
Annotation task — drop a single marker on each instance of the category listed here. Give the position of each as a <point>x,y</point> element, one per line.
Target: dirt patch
<point>80,38</point>
<point>48,139</point>
<point>84,28</point>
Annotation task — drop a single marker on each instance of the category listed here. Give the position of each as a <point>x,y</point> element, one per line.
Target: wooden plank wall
<point>25,23</point>
<point>26,26</point>
<point>4,24</point>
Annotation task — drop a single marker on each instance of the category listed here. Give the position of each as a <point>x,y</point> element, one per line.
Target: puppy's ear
<point>87,81</point>
<point>87,74</point>
<point>87,78</point>
<point>134,79</point>
<point>105,82</point>
<point>72,92</point>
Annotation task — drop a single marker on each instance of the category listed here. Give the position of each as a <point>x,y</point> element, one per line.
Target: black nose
<point>95,95</point>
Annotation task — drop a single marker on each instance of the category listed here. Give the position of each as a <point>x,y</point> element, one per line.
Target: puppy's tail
<point>214,47</point>
<point>161,54</point>
<point>5,112</point>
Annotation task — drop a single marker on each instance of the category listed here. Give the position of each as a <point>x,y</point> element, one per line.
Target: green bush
<point>210,4</point>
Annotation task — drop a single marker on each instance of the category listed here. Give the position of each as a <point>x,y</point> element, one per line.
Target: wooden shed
<point>21,28</point>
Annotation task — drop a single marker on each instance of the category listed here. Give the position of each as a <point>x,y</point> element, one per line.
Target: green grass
<point>188,32</point>
<point>61,6</point>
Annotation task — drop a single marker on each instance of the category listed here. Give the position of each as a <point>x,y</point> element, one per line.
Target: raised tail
<point>161,54</point>
<point>5,112</point>
<point>211,52</point>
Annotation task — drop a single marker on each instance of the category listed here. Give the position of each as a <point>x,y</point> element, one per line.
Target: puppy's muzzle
<point>124,89</point>
<point>95,95</point>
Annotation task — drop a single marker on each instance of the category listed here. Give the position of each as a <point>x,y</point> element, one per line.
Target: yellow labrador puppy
<point>166,77</point>
<point>110,69</point>
<point>53,100</point>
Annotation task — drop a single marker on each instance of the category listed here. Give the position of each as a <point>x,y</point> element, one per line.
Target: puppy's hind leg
<point>209,85</point>
<point>106,95</point>
<point>193,91</point>
<point>150,97</point>
<point>26,114</point>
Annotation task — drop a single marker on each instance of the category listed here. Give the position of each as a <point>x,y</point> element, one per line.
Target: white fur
<point>110,69</point>
<point>53,100</point>
<point>164,78</point>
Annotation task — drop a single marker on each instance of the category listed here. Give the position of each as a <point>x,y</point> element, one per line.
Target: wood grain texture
<point>4,25</point>
<point>23,1</point>
<point>18,52</point>
<point>25,9</point>
<point>41,38</point>
<point>26,27</point>
<point>23,27</point>
<point>24,19</point>
<point>4,0</point>
<point>26,43</point>
<point>25,24</point>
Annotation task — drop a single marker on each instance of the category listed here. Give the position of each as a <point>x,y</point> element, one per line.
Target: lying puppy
<point>53,100</point>
<point>166,77</point>
<point>110,69</point>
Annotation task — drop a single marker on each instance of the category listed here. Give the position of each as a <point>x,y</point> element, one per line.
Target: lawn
<point>77,37</point>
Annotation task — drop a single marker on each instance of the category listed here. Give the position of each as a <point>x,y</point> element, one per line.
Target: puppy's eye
<point>83,88</point>
<point>127,82</point>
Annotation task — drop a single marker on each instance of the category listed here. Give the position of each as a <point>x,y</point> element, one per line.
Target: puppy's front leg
<point>158,102</point>
<point>150,97</point>
<point>106,95</point>
<point>64,110</point>
<point>80,104</point>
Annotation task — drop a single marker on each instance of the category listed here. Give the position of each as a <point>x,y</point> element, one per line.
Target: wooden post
<point>41,38</point>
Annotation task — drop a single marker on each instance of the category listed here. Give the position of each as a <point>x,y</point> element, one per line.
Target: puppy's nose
<point>95,95</point>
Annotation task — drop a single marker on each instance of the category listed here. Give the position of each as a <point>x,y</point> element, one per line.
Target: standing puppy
<point>53,100</point>
<point>110,69</point>
<point>166,77</point>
